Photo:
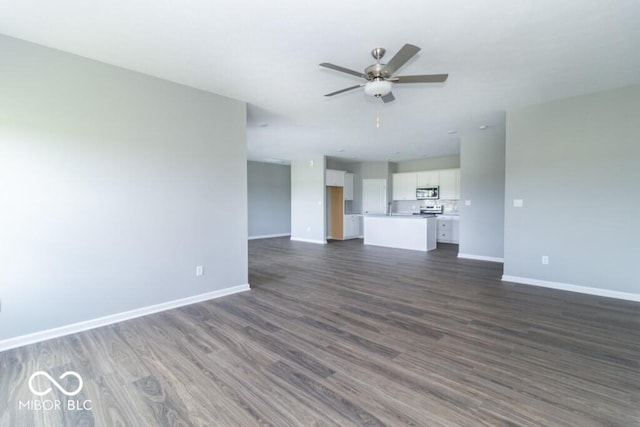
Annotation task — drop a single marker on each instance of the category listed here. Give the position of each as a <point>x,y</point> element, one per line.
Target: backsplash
<point>411,206</point>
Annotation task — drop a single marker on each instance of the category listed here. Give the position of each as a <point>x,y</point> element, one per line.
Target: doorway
<point>336,212</point>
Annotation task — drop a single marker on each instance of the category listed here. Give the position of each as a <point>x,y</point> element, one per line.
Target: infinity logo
<point>58,386</point>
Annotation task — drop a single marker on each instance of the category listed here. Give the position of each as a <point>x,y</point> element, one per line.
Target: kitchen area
<point>413,210</point>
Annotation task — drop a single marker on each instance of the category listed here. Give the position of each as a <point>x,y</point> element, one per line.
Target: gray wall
<point>339,165</point>
<point>575,165</point>
<point>431,163</point>
<point>269,199</point>
<point>482,182</point>
<point>114,186</point>
<point>307,199</point>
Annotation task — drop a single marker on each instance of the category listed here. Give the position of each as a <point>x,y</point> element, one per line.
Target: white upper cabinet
<point>334,178</point>
<point>428,179</point>
<point>450,184</point>
<point>348,186</point>
<point>404,186</point>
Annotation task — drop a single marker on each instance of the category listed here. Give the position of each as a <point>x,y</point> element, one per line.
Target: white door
<point>374,196</point>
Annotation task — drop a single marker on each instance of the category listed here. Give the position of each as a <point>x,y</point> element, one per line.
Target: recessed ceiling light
<point>451,132</point>
<point>483,127</point>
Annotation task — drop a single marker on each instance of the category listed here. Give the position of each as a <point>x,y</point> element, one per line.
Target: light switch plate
<point>467,202</point>
<point>518,203</point>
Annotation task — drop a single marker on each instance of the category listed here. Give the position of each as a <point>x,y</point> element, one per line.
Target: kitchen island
<point>413,232</point>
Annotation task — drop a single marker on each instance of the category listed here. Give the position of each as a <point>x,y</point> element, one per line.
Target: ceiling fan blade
<point>422,78</point>
<point>406,53</point>
<point>343,90</point>
<point>388,97</point>
<point>343,70</point>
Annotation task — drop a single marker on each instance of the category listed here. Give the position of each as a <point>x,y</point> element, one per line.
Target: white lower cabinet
<point>352,226</point>
<point>448,229</point>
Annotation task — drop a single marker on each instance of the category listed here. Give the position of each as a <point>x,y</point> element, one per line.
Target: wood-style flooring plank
<point>347,335</point>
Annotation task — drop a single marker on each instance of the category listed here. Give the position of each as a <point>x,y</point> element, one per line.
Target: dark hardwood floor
<point>346,334</point>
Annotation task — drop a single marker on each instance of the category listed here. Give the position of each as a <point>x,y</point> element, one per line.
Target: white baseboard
<point>299,239</point>
<point>269,236</point>
<point>115,318</point>
<point>481,257</point>
<point>573,288</point>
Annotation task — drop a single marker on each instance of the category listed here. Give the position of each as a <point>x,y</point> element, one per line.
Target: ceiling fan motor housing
<point>376,71</point>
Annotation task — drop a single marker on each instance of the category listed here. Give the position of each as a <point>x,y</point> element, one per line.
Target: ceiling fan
<point>380,76</point>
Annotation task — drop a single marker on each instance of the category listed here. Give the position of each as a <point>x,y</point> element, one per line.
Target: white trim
<point>299,239</point>
<point>115,318</point>
<point>481,257</point>
<point>573,288</point>
<point>269,236</point>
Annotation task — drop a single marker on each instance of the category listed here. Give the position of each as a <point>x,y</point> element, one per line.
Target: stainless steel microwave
<point>428,193</point>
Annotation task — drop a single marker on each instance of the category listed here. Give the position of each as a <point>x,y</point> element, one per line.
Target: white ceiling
<point>500,54</point>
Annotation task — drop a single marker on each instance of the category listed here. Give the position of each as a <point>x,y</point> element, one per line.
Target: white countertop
<point>396,216</point>
<point>449,216</point>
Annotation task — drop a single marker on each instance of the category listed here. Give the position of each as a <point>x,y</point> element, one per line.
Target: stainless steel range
<point>431,209</point>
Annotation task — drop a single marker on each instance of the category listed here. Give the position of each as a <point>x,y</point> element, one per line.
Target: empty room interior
<point>319,214</point>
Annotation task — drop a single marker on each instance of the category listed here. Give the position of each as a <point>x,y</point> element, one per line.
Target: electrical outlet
<point>199,270</point>
<point>545,259</point>
<point>467,202</point>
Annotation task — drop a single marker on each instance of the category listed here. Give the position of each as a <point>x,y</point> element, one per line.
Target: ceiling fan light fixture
<point>377,88</point>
